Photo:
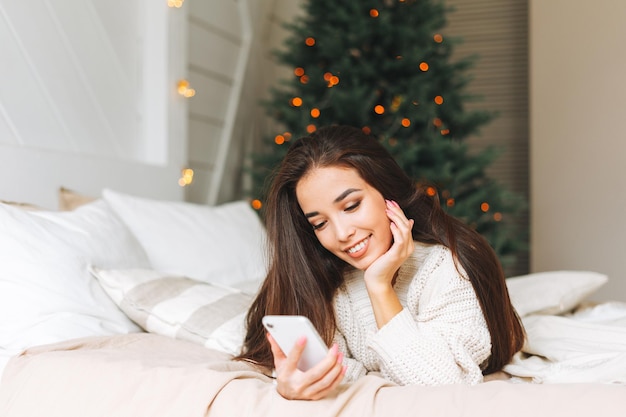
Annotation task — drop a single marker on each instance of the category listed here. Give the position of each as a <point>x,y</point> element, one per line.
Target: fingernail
<point>301,341</point>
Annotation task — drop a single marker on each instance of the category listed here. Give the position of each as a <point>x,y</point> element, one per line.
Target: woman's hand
<point>314,384</point>
<point>382,271</point>
<point>380,274</point>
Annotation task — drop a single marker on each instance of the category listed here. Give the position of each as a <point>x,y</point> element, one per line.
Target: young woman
<point>392,283</point>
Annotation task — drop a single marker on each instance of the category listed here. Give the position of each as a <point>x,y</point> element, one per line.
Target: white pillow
<point>553,292</point>
<point>221,244</point>
<point>212,315</point>
<point>47,294</point>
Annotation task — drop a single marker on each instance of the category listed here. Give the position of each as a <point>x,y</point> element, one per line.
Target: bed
<point>120,305</point>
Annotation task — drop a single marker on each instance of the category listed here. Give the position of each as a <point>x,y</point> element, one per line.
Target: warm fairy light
<point>424,66</point>
<point>450,202</point>
<point>438,38</point>
<point>311,128</point>
<point>299,72</point>
<point>331,79</point>
<point>439,100</point>
<point>296,102</point>
<point>445,132</point>
<point>379,109</point>
<point>256,204</point>
<point>406,122</point>
<point>184,89</point>
<point>437,122</point>
<point>497,216</point>
<point>374,13</point>
<point>366,130</point>
<point>315,113</point>
<point>431,191</point>
<point>279,139</point>
<point>287,135</point>
<point>393,142</point>
<point>175,3</point>
<point>395,103</point>
<point>304,79</point>
<point>309,41</point>
<point>484,207</point>
<point>186,177</point>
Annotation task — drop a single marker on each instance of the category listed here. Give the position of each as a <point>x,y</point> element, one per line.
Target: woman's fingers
<point>315,383</point>
<point>330,380</point>
<point>279,355</point>
<point>401,228</point>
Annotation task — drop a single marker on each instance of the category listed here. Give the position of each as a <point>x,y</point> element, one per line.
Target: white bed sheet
<point>5,356</point>
<point>588,345</point>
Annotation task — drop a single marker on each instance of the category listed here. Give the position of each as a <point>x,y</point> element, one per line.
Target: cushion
<point>47,294</point>
<point>180,307</point>
<point>220,244</point>
<point>552,292</point>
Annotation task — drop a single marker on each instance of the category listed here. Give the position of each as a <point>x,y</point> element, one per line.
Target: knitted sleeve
<point>441,336</point>
<point>355,369</point>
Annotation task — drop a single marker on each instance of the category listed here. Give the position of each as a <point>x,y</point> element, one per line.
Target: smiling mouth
<point>358,246</point>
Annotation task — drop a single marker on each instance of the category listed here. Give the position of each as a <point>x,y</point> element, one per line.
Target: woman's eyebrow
<point>337,200</point>
<point>345,194</point>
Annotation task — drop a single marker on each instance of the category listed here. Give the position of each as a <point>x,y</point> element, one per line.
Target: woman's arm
<point>379,276</point>
<point>442,337</point>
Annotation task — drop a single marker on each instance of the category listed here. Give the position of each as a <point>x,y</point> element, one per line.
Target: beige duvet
<point>149,375</point>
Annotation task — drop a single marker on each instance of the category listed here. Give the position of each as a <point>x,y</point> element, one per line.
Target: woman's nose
<point>344,231</point>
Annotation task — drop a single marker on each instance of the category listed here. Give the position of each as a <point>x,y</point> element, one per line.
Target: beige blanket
<point>148,375</point>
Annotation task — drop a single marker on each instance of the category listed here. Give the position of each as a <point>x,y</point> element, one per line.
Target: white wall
<point>87,98</point>
<point>578,144</point>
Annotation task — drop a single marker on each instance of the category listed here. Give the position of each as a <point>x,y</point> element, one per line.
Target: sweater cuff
<point>386,339</point>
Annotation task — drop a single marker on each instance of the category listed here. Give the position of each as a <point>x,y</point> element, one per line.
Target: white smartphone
<point>286,330</point>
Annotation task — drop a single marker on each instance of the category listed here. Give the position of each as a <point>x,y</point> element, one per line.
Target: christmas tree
<point>385,66</point>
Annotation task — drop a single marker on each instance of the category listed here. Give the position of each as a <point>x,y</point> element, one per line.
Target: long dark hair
<point>303,276</point>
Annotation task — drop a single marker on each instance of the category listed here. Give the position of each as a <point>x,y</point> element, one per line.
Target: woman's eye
<point>353,206</point>
<point>318,226</point>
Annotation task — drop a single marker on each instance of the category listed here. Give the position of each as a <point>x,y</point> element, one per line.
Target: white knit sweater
<point>440,337</point>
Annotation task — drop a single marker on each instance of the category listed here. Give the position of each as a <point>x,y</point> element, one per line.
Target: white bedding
<point>45,274</point>
<point>586,346</point>
<point>4,358</point>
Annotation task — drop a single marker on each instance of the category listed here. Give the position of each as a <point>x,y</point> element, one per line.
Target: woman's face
<point>347,214</point>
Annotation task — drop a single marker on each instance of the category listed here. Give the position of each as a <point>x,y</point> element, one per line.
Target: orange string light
<point>256,204</point>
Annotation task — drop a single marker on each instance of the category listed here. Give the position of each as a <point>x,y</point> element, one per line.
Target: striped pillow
<point>212,315</point>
